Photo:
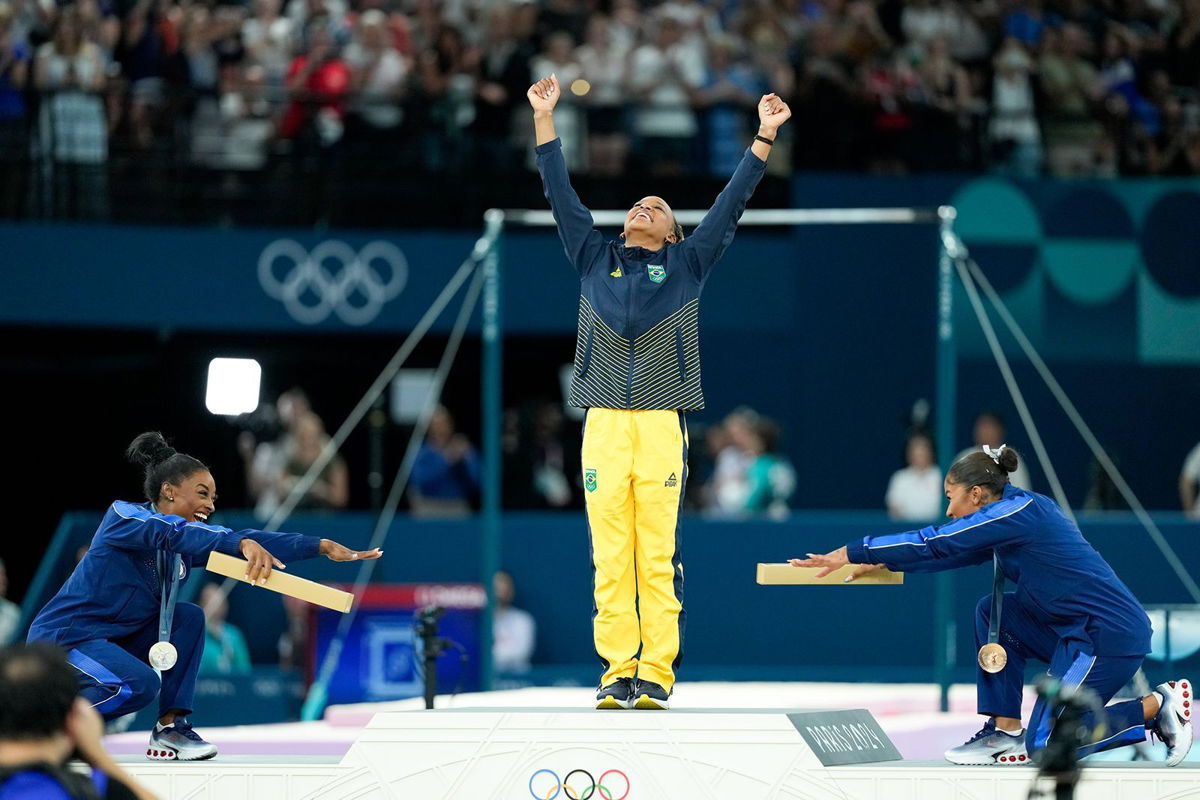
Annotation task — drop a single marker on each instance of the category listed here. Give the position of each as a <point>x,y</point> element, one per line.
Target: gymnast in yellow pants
<point>637,371</point>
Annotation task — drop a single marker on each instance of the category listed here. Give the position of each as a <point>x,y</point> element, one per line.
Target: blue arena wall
<point>735,630</point>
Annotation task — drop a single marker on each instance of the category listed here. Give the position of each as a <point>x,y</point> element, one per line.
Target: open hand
<point>826,563</point>
<point>336,552</point>
<point>773,112</point>
<point>544,94</point>
<point>259,561</point>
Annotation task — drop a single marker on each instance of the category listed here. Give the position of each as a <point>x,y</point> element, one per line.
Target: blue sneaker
<point>650,696</point>
<point>990,746</point>
<point>618,694</point>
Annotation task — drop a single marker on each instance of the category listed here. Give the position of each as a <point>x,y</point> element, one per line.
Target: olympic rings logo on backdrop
<point>579,785</point>
<point>332,279</point>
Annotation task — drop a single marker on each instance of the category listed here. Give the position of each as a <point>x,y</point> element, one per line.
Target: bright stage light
<point>233,385</point>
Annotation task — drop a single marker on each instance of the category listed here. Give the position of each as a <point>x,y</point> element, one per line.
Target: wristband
<point>764,140</point>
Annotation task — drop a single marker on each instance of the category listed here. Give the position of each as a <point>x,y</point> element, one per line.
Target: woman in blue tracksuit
<point>1069,610</point>
<point>106,616</point>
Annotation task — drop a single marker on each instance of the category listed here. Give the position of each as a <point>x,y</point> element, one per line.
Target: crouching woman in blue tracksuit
<point>107,613</point>
<point>1069,610</point>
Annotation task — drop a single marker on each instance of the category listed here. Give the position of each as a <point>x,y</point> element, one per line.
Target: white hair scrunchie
<point>994,454</point>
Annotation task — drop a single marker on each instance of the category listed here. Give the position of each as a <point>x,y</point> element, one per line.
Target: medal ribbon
<point>169,577</point>
<point>997,601</point>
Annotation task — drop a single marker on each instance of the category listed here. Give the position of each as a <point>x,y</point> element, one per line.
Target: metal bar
<point>492,395</point>
<point>750,217</point>
<point>947,400</point>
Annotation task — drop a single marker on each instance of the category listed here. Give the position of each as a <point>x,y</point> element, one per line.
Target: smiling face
<point>194,498</point>
<point>650,220</point>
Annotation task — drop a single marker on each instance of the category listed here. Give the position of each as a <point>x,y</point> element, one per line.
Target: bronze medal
<point>992,657</point>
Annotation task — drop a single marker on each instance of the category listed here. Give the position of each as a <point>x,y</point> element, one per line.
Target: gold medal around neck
<point>163,655</point>
<point>992,657</point>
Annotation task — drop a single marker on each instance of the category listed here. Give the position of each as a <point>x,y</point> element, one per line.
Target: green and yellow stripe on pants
<point>635,468</point>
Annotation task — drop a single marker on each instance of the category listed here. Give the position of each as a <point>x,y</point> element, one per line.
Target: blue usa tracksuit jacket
<point>1069,609</point>
<point>106,614</point>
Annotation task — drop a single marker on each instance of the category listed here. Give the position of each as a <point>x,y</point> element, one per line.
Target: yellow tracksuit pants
<point>634,470</point>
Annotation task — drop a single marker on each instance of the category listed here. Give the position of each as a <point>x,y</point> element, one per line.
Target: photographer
<point>42,722</point>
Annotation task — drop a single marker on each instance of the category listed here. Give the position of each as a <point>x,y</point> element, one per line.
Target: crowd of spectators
<point>1072,87</point>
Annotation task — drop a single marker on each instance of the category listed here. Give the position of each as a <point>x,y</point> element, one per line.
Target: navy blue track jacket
<point>1060,579</point>
<point>639,310</point>
<point>116,589</point>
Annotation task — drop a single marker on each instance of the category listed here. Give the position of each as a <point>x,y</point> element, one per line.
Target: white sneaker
<point>990,746</point>
<point>1173,724</point>
<point>178,742</point>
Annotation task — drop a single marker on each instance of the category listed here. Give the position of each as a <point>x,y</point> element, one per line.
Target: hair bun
<point>1007,459</point>
<point>148,449</point>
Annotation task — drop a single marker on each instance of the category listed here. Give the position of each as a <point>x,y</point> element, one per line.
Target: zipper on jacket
<point>629,330</point>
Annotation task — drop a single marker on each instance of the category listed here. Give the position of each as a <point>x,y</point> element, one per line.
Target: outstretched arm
<point>576,227</point>
<point>714,233</point>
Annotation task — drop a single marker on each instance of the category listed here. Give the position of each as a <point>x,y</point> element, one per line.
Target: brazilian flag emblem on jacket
<point>589,480</point>
<point>656,272</point>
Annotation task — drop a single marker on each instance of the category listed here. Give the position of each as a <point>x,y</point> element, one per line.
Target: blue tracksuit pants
<point>116,679</point>
<point>1071,661</point>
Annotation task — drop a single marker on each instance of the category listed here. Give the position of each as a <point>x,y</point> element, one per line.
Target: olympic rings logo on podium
<point>332,279</point>
<point>579,785</point>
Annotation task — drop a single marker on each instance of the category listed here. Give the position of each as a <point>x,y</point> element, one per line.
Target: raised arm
<point>714,233</point>
<point>576,227</point>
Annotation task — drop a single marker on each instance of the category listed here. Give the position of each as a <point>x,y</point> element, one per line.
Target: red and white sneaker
<point>990,746</point>
<point>178,742</point>
<point>1173,724</point>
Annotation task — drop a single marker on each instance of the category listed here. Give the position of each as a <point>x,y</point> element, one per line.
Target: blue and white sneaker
<point>990,746</point>
<point>178,742</point>
<point>1173,724</point>
<point>618,694</point>
<point>651,696</point>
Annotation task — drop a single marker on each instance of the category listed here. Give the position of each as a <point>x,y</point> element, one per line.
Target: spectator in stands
<point>267,37</point>
<point>605,62</point>
<point>1189,483</point>
<point>543,458</point>
<point>503,77</point>
<point>945,102</point>
<point>44,723</point>
<point>989,430</point>
<point>1014,137</point>
<point>732,442</point>
<point>264,460</point>
<point>378,77</point>
<point>318,82</point>
<point>727,98</point>
<point>915,492</point>
<point>148,37</point>
<point>331,487</point>
<point>10,612</point>
<point>1070,83</point>
<point>14,140</point>
<point>770,478</point>
<point>664,75</point>
<point>444,99</point>
<point>514,630</point>
<point>445,474</point>
<point>293,642</point>
<point>225,650</point>
<point>72,129</point>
